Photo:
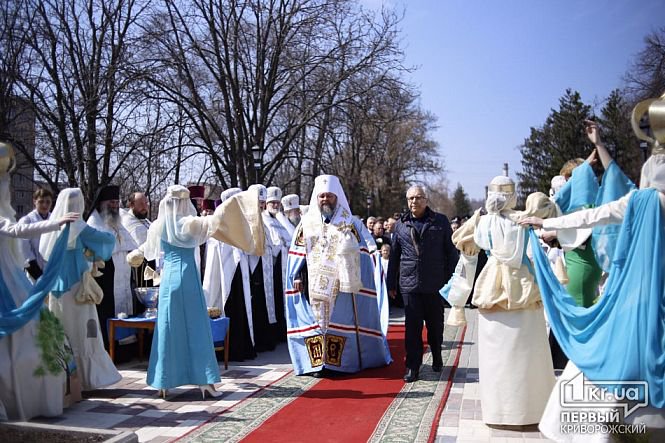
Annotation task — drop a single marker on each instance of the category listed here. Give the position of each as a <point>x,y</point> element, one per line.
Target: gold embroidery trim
<point>314,347</point>
<point>334,349</point>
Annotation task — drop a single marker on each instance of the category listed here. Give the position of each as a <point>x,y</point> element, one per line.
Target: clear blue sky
<point>490,70</point>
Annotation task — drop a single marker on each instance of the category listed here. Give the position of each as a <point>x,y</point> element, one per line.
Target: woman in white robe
<point>515,366</point>
<point>76,306</point>
<point>23,395</point>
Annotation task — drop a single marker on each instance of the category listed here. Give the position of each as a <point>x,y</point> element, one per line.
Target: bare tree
<point>379,143</point>
<point>12,64</point>
<point>256,73</point>
<point>646,76</point>
<point>84,103</point>
<point>147,92</point>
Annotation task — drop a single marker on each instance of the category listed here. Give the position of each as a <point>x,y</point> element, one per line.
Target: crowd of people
<point>319,278</point>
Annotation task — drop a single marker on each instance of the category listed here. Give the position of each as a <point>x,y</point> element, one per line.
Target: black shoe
<point>437,362</point>
<point>411,375</point>
<point>318,374</point>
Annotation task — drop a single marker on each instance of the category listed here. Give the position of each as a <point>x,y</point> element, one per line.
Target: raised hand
<point>592,159</point>
<point>593,132</point>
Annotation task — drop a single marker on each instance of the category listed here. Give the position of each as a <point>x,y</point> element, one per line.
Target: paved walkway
<point>133,406</point>
<point>461,421</point>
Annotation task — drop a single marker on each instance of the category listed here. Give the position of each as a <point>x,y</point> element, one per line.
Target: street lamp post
<point>369,204</point>
<point>646,128</point>
<point>256,155</point>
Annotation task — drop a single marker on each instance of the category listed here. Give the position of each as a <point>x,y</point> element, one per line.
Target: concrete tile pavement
<point>131,405</point>
<point>134,406</point>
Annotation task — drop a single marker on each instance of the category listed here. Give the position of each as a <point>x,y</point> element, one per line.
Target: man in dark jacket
<point>423,257</point>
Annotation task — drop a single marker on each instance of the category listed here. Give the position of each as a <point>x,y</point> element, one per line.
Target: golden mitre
<point>654,108</point>
<point>7,157</point>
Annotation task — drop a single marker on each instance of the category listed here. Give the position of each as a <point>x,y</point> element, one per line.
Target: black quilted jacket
<point>423,262</point>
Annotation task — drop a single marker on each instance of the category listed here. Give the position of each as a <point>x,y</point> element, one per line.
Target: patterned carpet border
<point>411,416</point>
<point>449,385</point>
<point>239,420</point>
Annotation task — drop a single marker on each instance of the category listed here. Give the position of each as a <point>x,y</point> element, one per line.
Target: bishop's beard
<point>327,210</point>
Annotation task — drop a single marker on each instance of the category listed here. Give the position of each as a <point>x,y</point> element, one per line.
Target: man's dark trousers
<point>419,307</point>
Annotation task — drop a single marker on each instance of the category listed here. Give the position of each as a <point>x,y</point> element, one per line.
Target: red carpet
<point>343,409</point>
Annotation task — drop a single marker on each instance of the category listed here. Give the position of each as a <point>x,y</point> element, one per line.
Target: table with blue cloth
<point>120,328</point>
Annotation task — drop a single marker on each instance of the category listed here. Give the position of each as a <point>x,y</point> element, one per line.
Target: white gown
<point>515,366</point>
<point>22,394</point>
<point>81,323</point>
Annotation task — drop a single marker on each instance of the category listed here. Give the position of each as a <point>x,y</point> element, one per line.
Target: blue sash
<point>13,318</point>
<point>614,185</point>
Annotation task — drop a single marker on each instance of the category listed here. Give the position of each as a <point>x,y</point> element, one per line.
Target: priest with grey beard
<point>116,278</point>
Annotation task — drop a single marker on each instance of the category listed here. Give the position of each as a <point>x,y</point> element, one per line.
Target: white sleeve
<point>462,280</point>
<point>606,214</point>
<point>26,245</point>
<point>12,229</point>
<point>200,227</point>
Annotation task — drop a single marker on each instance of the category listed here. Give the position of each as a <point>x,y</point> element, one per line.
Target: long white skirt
<point>81,323</point>
<point>24,395</point>
<point>515,366</point>
<point>550,423</point>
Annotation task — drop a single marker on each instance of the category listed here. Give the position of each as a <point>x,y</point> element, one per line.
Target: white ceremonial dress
<point>22,394</point>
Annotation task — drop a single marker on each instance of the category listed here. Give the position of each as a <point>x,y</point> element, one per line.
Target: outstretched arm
<point>593,132</point>
<point>13,229</point>
<point>609,213</point>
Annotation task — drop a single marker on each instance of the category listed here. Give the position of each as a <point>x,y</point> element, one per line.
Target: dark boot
<point>411,375</point>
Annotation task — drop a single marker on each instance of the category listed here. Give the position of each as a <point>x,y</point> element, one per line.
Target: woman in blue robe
<point>182,346</point>
<point>622,337</point>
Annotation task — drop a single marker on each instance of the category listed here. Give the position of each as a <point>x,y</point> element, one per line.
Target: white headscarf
<point>175,210</point>
<point>501,195</point>
<point>497,231</point>
<point>653,173</point>
<point>69,200</point>
<point>557,182</point>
